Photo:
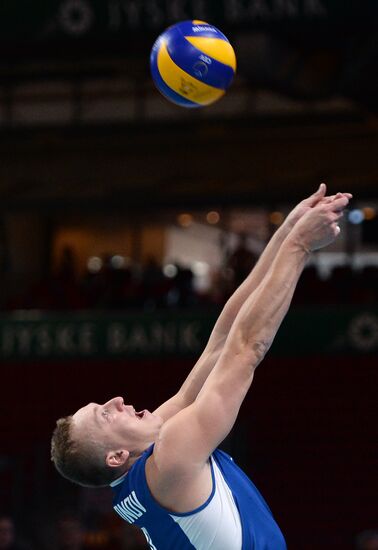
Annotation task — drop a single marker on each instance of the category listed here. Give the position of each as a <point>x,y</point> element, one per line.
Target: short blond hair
<point>82,462</point>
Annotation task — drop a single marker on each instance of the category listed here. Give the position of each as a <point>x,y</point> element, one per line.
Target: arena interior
<point>126,222</point>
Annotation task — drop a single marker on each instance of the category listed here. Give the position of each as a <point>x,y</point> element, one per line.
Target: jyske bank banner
<point>303,332</point>
<point>46,20</point>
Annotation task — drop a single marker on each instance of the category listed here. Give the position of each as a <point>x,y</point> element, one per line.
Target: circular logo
<point>363,332</point>
<point>76,16</point>
<point>200,69</point>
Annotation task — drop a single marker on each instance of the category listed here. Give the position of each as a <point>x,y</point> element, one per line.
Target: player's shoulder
<point>165,462</point>
<point>177,485</point>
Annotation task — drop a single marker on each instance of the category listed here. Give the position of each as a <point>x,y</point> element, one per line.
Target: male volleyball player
<point>164,467</point>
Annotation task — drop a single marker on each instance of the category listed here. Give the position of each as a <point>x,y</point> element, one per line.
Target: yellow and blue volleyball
<point>192,63</point>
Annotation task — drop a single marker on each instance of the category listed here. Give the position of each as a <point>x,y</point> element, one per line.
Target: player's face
<point>117,425</point>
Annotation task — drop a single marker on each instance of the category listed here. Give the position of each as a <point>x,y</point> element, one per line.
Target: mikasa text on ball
<point>192,63</point>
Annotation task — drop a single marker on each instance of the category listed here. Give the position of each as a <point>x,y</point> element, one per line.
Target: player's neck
<point>137,454</point>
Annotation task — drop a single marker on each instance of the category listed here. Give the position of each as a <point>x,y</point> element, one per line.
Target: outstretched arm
<point>232,307</point>
<point>195,431</point>
<point>204,365</point>
<point>198,375</point>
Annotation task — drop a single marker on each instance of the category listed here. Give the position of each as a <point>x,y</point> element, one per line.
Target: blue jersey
<point>234,517</point>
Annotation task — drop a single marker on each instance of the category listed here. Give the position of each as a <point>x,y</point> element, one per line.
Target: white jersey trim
<point>217,526</point>
<point>118,480</point>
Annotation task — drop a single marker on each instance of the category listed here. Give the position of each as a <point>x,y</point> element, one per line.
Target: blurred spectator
<point>66,270</point>
<point>65,282</point>
<point>112,286</point>
<point>9,538</point>
<point>367,540</point>
<point>182,292</point>
<point>127,286</point>
<point>59,290</point>
<point>241,261</point>
<point>154,285</point>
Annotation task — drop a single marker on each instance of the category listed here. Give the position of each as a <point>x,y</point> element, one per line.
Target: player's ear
<point>117,458</point>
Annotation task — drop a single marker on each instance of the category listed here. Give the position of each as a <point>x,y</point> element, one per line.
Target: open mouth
<point>140,414</point>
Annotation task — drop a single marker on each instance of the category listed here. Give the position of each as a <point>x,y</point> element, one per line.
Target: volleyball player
<point>167,474</point>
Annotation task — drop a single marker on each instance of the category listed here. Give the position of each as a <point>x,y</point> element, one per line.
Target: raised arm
<point>198,375</point>
<point>210,355</point>
<point>197,430</point>
<point>232,307</point>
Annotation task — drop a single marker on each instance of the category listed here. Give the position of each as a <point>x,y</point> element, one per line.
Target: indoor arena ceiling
<point>81,124</point>
<point>212,164</point>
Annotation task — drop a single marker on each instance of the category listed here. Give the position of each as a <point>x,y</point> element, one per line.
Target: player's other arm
<point>189,438</point>
<point>198,375</point>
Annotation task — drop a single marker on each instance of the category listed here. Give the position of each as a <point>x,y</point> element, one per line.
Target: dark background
<point>83,132</point>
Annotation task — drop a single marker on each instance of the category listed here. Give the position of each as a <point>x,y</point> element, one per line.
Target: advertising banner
<point>180,334</point>
<point>47,20</point>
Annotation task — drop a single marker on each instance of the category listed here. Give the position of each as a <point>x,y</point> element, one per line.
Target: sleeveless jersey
<point>234,517</point>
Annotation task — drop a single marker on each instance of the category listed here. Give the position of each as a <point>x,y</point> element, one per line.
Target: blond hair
<point>82,462</point>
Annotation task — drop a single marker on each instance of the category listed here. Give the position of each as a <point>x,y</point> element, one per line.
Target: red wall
<point>307,433</point>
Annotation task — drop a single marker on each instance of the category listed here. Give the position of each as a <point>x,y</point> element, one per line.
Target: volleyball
<point>192,63</point>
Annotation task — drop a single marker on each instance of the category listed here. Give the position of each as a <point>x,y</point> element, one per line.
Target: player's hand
<point>310,202</point>
<point>319,227</point>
